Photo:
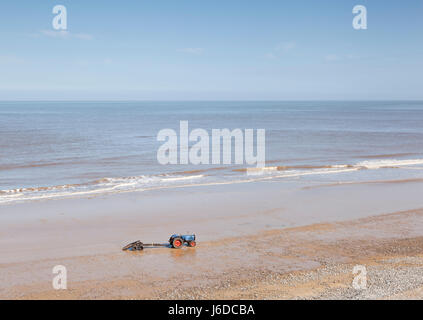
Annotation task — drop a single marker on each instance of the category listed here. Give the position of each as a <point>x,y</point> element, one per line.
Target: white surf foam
<point>377,164</point>
<point>164,181</point>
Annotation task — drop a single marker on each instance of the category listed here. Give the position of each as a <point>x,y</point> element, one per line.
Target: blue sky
<point>211,50</point>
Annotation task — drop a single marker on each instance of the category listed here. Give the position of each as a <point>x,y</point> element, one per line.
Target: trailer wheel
<point>139,247</point>
<point>177,243</point>
<point>192,244</point>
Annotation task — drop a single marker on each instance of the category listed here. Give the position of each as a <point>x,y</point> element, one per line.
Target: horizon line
<point>205,100</point>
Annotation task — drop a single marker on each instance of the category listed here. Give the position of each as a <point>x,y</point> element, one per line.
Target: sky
<point>211,50</point>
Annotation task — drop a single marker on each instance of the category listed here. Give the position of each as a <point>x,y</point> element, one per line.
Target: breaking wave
<point>212,176</point>
<point>392,163</point>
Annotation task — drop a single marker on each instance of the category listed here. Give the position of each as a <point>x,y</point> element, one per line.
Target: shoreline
<point>198,178</point>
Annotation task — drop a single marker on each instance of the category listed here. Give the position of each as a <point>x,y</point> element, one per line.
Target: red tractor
<point>177,240</point>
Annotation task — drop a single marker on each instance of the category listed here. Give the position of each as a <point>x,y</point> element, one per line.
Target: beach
<point>341,187</point>
<point>255,241</point>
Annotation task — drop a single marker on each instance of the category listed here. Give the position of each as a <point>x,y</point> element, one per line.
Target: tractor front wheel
<point>177,243</point>
<point>192,244</point>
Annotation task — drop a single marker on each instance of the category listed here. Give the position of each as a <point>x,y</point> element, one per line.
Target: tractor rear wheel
<point>177,243</point>
<point>192,244</point>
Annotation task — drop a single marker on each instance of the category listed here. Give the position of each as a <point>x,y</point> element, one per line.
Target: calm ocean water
<point>56,149</point>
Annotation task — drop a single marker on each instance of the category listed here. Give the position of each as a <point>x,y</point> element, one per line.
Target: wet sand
<point>255,241</point>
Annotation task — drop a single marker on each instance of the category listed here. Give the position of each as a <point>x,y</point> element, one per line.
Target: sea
<point>56,149</point>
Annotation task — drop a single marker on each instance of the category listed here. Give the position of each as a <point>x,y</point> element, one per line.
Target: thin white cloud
<point>55,34</point>
<point>64,34</point>
<point>280,49</point>
<point>286,46</point>
<point>85,63</point>
<point>353,56</point>
<point>192,50</point>
<point>270,55</point>
<point>336,57</point>
<point>10,60</point>
<point>332,57</point>
<point>83,36</point>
